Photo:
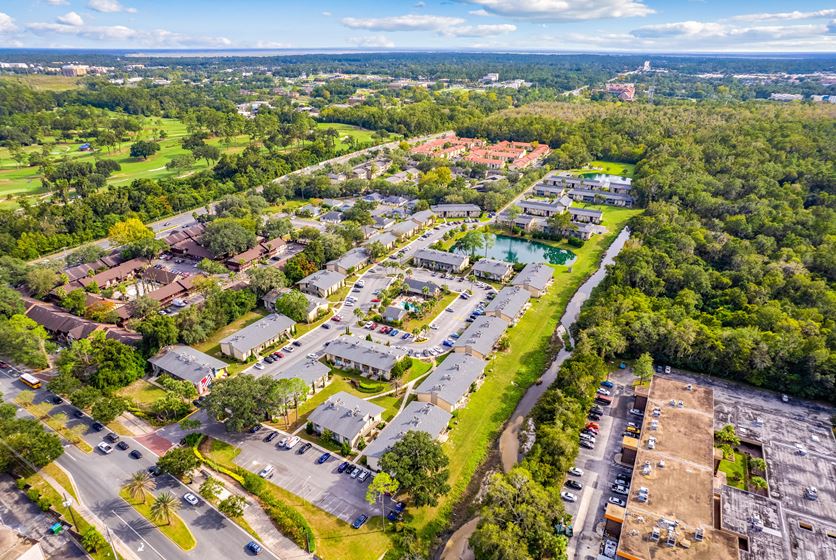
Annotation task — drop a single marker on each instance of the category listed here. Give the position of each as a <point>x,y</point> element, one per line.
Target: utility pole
<point>110,540</point>
<point>69,505</point>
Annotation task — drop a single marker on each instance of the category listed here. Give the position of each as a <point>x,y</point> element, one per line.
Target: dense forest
<point>731,269</point>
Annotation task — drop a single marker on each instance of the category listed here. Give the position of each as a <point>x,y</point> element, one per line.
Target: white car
<point>667,369</point>
<point>568,496</point>
<point>575,471</point>
<point>609,549</point>
<point>259,365</point>
<point>617,501</point>
<point>105,448</point>
<point>291,442</point>
<point>312,356</point>
<point>602,391</point>
<point>191,498</point>
<point>283,442</point>
<point>266,472</point>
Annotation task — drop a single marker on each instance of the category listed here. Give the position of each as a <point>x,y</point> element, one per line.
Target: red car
<point>373,326</point>
<point>278,355</point>
<point>335,318</point>
<point>376,300</point>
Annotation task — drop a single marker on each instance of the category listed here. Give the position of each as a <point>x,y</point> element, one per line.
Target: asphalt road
<point>99,477</point>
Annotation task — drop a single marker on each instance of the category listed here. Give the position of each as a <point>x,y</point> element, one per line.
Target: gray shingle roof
<point>536,275</point>
<point>482,334</point>
<point>351,259</point>
<point>540,204</point>
<point>256,334</point>
<point>187,363</point>
<point>602,194</point>
<point>509,301</point>
<point>422,216</point>
<point>404,228</point>
<point>344,414</point>
<point>585,212</point>
<point>492,266</point>
<point>308,371</point>
<point>386,238</point>
<point>364,352</point>
<point>444,257</point>
<point>417,286</point>
<point>323,279</point>
<point>393,313</point>
<point>452,379</point>
<point>439,208</point>
<point>417,416</point>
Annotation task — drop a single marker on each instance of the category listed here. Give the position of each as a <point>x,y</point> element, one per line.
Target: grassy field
<point>735,471</point>
<point>361,135</point>
<point>18,181</point>
<point>57,422</point>
<point>43,82</point>
<point>335,539</point>
<point>176,529</point>
<point>608,168</point>
<point>510,373</point>
<point>141,393</point>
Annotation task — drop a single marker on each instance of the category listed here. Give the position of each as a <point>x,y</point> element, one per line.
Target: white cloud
<point>108,6</point>
<point>564,10</point>
<point>327,14</point>
<point>57,2</point>
<point>411,22</point>
<point>272,45</point>
<point>786,15</point>
<point>117,33</point>
<point>479,30</point>
<point>7,24</point>
<point>70,18</point>
<point>699,31</point>
<point>420,4</point>
<point>479,13</point>
<point>372,41</point>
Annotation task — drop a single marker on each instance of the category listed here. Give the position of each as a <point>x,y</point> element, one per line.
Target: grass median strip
<point>57,422</point>
<point>176,529</point>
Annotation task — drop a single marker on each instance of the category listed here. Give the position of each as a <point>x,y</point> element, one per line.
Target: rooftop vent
<point>699,534</point>
<point>655,534</point>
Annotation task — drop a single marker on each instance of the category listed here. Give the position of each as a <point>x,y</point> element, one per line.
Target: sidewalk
<point>278,544</point>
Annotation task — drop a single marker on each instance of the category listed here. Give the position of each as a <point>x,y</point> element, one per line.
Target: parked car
<point>266,472</point>
<point>78,413</point>
<point>602,391</point>
<point>617,501</point>
<point>105,448</point>
<point>255,428</point>
<point>587,445</point>
<point>393,516</point>
<point>304,448</point>
<point>360,521</point>
<point>636,412</point>
<point>259,365</point>
<point>363,476</point>
<point>355,471</point>
<point>122,445</point>
<point>292,441</point>
<point>568,496</point>
<point>608,384</point>
<point>154,470</point>
<point>55,399</point>
<point>191,498</point>
<point>619,489</point>
<point>576,471</point>
<point>322,458</point>
<point>253,547</point>
<point>610,548</point>
<point>271,436</point>
<point>574,484</point>
<point>296,343</point>
<point>325,326</point>
<point>269,359</point>
<point>343,466</point>
<point>136,454</point>
<point>594,416</point>
<point>667,369</point>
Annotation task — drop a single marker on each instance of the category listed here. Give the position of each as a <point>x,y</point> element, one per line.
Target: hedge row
<point>289,521</point>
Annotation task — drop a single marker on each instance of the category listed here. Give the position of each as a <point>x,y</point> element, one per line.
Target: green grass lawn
<point>176,530</point>
<point>509,374</point>
<point>390,403</point>
<point>142,393</point>
<point>735,471</point>
<point>68,514</point>
<point>44,82</point>
<point>411,324</point>
<point>361,135</point>
<point>212,345</point>
<point>608,168</point>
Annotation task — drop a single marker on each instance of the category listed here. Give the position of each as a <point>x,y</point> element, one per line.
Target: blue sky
<point>586,25</point>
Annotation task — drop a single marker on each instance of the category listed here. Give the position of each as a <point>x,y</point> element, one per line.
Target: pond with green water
<point>516,250</point>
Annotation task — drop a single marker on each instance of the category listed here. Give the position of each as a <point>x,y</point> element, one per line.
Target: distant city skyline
<point>535,25</point>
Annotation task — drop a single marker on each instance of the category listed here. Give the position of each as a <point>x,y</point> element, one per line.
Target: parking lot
<point>600,470</point>
<point>320,484</point>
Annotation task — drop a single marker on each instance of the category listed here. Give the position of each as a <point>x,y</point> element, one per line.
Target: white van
<point>266,472</point>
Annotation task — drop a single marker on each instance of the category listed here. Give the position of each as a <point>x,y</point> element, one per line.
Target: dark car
<point>393,516</point>
<point>296,343</point>
<point>360,521</point>
<point>154,470</point>
<point>322,458</point>
<point>253,547</point>
<point>269,359</point>
<point>271,436</point>
<point>304,448</point>
<point>56,400</point>
<point>399,507</point>
<point>574,484</point>
<point>112,437</point>
<point>255,428</point>
<point>344,465</point>
<point>135,454</point>
<point>122,445</point>
<point>199,402</point>
<point>78,414</point>
<point>593,416</point>
<point>97,426</point>
<point>325,326</point>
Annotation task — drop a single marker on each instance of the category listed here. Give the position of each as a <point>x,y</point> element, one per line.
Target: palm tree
<point>139,483</point>
<point>164,506</point>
